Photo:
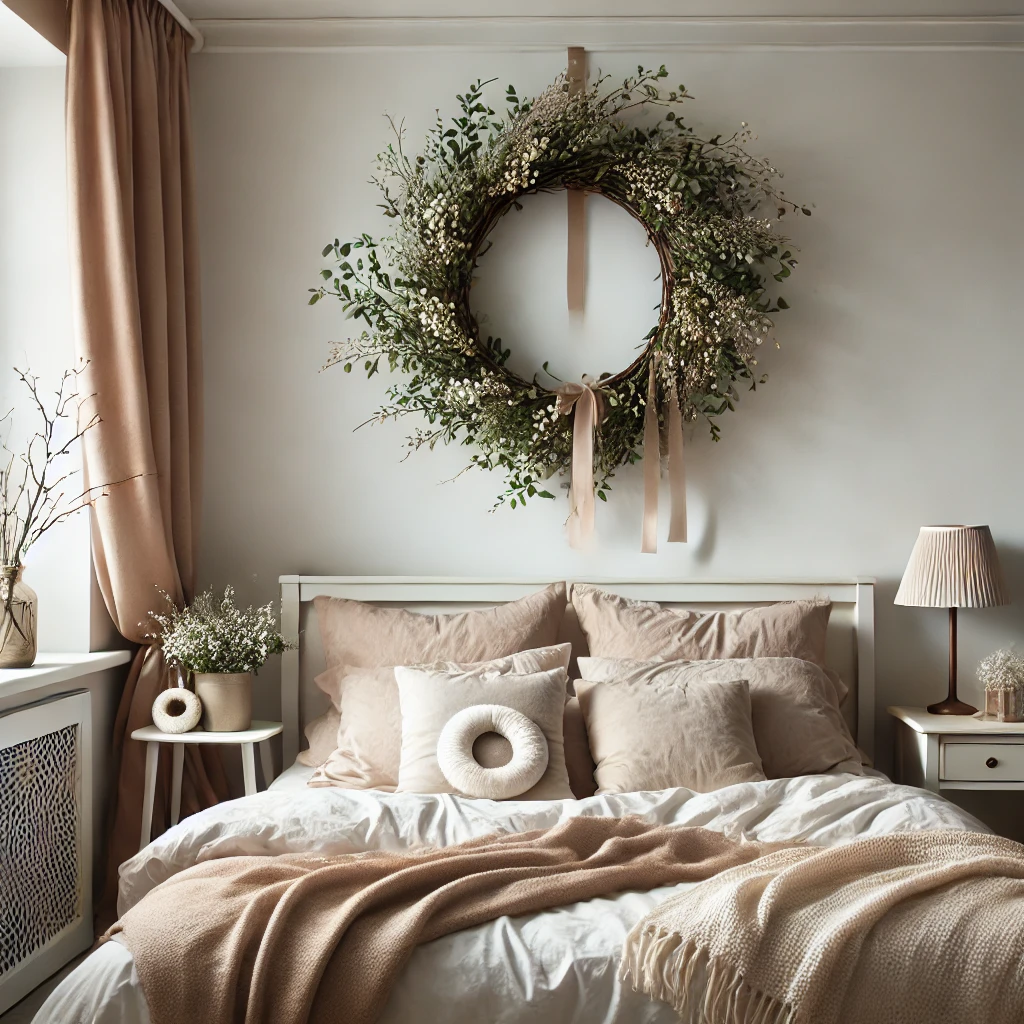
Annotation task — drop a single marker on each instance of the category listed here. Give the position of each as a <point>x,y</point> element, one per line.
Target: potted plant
<point>222,645</point>
<point>35,497</point>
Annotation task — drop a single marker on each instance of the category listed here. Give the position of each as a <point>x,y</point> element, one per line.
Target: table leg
<point>152,758</point>
<point>249,768</point>
<point>178,764</point>
<point>267,763</point>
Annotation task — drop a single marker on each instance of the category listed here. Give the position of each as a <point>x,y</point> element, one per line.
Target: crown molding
<point>610,35</point>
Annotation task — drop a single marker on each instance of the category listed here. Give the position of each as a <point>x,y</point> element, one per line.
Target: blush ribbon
<point>652,469</point>
<point>587,406</point>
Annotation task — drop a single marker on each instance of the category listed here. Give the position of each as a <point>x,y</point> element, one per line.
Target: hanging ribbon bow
<point>589,410</point>
<point>652,468</point>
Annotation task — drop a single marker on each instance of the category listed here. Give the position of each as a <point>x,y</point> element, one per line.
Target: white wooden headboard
<point>851,635</point>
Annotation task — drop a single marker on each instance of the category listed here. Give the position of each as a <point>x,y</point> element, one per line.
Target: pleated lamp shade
<point>953,567</point>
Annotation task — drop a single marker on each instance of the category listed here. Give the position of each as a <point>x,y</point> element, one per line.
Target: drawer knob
<point>992,762</point>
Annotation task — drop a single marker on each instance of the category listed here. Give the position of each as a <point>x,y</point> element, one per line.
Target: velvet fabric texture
<point>430,698</point>
<point>368,744</point>
<point>135,294</point>
<point>668,731</point>
<point>618,627</point>
<point>796,721</point>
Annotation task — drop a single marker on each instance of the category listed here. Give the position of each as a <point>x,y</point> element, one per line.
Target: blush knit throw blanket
<point>911,928</point>
<point>296,937</point>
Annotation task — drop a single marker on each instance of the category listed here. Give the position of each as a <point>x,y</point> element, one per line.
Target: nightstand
<point>957,751</point>
<point>258,732</point>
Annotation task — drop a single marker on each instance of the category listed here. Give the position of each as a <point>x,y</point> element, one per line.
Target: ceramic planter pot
<point>227,700</point>
<point>18,603</point>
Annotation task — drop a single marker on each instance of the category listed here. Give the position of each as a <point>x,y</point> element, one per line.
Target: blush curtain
<point>135,279</point>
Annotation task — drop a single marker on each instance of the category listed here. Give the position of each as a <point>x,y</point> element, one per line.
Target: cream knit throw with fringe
<point>912,928</point>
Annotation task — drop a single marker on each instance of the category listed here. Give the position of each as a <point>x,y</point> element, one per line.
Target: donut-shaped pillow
<point>176,710</point>
<point>455,752</point>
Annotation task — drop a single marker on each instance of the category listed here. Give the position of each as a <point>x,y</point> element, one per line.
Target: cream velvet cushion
<point>797,725</point>
<point>617,627</point>
<point>430,698</point>
<point>668,731</point>
<point>368,748</point>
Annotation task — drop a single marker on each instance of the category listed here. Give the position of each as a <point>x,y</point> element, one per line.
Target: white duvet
<point>558,966</point>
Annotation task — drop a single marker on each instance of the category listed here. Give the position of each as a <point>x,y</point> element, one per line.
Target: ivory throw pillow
<point>668,731</point>
<point>798,727</point>
<point>617,627</point>
<point>368,747</point>
<point>366,635</point>
<point>430,697</point>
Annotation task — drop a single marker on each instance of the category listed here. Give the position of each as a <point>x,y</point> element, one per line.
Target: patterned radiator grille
<point>40,892</point>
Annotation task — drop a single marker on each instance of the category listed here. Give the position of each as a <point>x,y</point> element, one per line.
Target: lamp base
<point>951,706</point>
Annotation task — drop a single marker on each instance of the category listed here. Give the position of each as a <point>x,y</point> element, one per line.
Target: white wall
<point>891,404</point>
<point>35,321</point>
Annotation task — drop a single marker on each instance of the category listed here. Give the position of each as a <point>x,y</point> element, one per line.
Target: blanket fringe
<point>664,966</point>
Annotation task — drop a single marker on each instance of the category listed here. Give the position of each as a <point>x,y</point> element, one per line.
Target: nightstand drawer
<point>982,760</point>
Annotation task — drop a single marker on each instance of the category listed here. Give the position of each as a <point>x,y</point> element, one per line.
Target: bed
<point>559,965</point>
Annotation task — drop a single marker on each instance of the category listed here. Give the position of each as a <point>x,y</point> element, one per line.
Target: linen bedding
<point>559,965</point>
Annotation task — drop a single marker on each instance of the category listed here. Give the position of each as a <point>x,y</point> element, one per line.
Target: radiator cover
<point>45,841</point>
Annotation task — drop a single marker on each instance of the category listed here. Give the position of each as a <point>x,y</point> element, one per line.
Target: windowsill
<point>58,668</point>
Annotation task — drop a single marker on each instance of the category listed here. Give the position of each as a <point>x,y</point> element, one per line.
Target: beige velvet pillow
<point>429,699</point>
<point>668,730</point>
<point>368,750</point>
<point>365,635</point>
<point>617,627</point>
<point>798,727</point>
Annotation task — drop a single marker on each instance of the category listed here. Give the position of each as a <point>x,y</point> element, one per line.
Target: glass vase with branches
<point>38,491</point>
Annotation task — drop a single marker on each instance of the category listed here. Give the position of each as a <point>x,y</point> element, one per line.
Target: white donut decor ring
<point>177,710</point>
<point>468,776</point>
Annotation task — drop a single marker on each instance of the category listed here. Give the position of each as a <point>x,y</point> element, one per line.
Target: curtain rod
<point>175,12</point>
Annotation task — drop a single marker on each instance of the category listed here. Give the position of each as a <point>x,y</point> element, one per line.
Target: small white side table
<point>957,751</point>
<point>259,732</point>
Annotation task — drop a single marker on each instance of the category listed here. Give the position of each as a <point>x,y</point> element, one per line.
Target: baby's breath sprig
<point>212,634</point>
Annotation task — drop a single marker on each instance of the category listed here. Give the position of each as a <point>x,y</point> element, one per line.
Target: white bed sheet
<point>558,966</point>
<point>294,778</point>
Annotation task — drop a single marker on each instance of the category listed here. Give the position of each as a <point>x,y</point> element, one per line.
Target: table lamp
<point>953,567</point>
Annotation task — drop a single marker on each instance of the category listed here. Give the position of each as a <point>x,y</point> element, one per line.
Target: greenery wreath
<point>708,208</point>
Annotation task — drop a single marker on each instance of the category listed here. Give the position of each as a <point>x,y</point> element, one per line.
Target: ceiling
<point>21,46</point>
<point>246,9</point>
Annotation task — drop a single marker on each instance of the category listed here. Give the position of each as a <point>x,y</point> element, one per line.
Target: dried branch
<point>33,492</point>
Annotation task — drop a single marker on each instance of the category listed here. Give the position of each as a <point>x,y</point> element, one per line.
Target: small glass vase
<point>18,623</point>
<point>1005,705</point>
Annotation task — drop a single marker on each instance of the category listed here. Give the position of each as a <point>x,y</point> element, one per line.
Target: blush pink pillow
<point>618,627</point>
<point>368,752</point>
<point>357,634</point>
<point>363,635</point>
